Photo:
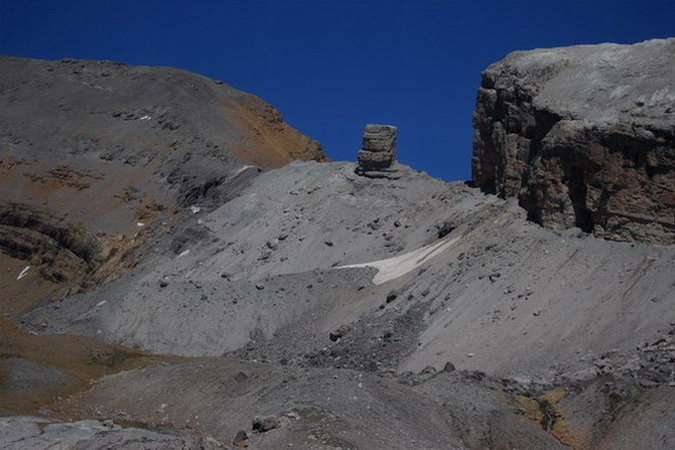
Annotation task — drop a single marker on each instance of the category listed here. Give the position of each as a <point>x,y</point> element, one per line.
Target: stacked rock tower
<point>378,152</point>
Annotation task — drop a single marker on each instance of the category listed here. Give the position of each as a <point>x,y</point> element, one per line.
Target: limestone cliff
<point>583,136</point>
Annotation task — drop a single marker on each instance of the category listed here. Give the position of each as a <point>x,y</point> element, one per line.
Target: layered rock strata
<point>583,136</point>
<point>378,151</point>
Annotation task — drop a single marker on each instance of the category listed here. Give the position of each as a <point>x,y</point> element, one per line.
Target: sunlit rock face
<point>583,136</point>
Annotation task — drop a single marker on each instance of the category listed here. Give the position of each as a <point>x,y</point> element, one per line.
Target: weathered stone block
<point>378,150</point>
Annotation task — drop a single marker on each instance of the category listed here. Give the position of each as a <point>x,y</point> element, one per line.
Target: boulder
<point>266,423</point>
<point>583,136</point>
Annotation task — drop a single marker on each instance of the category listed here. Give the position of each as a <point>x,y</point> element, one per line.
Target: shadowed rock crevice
<point>575,179</point>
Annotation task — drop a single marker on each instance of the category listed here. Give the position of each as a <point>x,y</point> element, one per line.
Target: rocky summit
<point>583,136</point>
<point>180,269</point>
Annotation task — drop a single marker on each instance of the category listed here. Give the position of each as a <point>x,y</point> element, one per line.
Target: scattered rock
<point>444,229</point>
<point>449,367</point>
<point>240,377</point>
<point>335,336</point>
<point>428,370</point>
<point>241,436</point>
<point>265,424</point>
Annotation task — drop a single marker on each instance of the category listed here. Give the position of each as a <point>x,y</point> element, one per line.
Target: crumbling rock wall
<point>583,136</point>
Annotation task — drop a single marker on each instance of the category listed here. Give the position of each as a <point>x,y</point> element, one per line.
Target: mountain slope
<point>498,286</point>
<point>109,155</point>
<point>306,305</point>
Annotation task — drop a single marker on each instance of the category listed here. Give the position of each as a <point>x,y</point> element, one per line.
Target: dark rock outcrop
<point>583,136</point>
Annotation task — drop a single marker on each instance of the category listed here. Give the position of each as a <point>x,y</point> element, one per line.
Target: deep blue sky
<point>332,66</point>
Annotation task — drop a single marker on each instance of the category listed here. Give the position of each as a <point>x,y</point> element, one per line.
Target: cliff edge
<point>583,136</point>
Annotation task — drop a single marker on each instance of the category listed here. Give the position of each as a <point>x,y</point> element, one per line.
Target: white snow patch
<point>23,273</point>
<point>195,209</point>
<point>140,224</point>
<point>145,118</point>
<point>392,268</point>
<point>184,253</point>
<point>241,169</point>
<point>101,303</point>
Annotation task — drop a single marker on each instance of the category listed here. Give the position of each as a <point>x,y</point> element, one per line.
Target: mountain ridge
<point>164,292</point>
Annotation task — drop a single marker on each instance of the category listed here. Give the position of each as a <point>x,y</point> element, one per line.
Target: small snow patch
<point>23,273</point>
<point>195,209</point>
<point>145,118</point>
<point>102,302</point>
<point>392,268</point>
<point>184,253</point>
<point>140,224</point>
<point>242,169</point>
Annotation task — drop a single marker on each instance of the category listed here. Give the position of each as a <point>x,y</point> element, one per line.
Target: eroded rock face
<point>583,136</point>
